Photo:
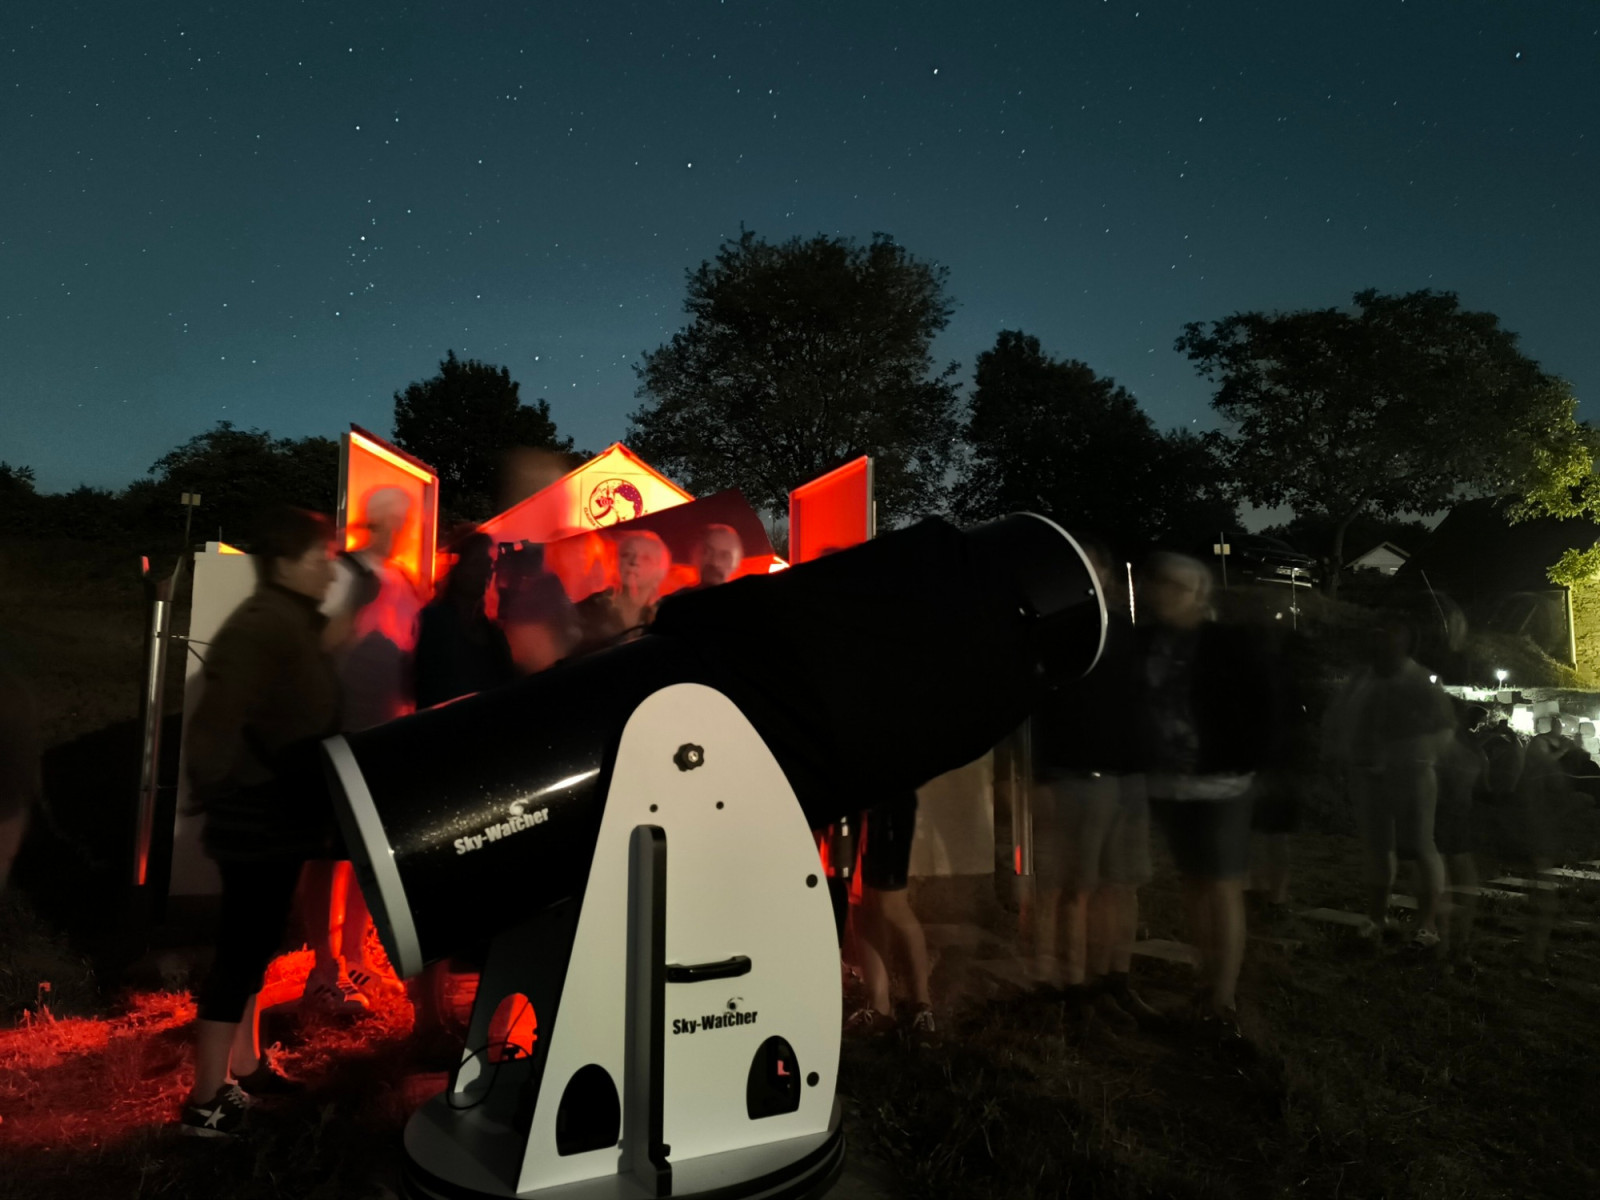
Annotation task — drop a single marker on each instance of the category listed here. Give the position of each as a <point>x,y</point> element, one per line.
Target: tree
<point>798,358</point>
<point>18,500</point>
<point>238,473</point>
<point>1403,405</point>
<point>1053,437</point>
<point>463,423</point>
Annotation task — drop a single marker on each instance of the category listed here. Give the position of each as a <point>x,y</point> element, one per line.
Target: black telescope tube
<point>867,673</point>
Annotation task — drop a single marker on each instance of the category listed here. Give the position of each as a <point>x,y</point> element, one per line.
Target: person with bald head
<point>621,613</point>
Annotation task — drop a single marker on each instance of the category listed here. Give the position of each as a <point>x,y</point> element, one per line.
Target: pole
<point>155,685</point>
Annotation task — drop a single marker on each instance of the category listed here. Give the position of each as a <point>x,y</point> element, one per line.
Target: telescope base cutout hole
<point>590,1115</point>
<point>773,1087</point>
<point>512,1029</point>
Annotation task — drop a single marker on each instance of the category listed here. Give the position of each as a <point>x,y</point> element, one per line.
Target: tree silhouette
<point>797,358</point>
<point>463,422</point>
<point>1053,437</point>
<point>1403,405</point>
<point>238,473</point>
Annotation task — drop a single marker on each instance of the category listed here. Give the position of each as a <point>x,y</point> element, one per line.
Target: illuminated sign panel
<point>612,487</point>
<point>832,512</point>
<point>368,464</point>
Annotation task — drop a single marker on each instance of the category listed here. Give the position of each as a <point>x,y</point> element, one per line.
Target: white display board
<point>223,580</point>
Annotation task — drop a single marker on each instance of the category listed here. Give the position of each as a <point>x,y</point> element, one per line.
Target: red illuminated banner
<point>832,512</point>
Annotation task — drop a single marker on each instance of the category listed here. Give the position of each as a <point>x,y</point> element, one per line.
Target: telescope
<point>628,839</point>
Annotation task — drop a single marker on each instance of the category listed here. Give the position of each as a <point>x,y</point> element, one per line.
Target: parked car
<point>1258,558</point>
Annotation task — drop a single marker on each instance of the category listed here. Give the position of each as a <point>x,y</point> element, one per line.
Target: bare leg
<point>324,926</point>
<point>1544,905</point>
<point>906,931</point>
<point>1227,939</point>
<point>1075,916</point>
<point>1104,920</point>
<point>244,1053</point>
<point>1197,910</point>
<point>357,920</point>
<point>1046,929</point>
<point>1122,926</point>
<point>213,1044</point>
<point>870,939</point>
<point>1275,867</point>
<point>1463,871</point>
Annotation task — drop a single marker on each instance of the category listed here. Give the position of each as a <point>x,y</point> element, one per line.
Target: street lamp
<point>1501,674</point>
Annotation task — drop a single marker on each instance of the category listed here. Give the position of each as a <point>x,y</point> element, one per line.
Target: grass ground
<point>1366,1076</point>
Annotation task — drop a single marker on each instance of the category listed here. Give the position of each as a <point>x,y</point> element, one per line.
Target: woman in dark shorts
<point>886,922</point>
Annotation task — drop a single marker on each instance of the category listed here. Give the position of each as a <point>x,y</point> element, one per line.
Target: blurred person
<point>1092,825</point>
<point>21,784</point>
<point>1387,729</point>
<point>459,650</point>
<point>1544,793</point>
<point>581,559</point>
<point>1280,788</point>
<point>541,624</point>
<point>269,694</point>
<point>717,554</point>
<point>1207,714</point>
<point>885,923</point>
<point>1461,771</point>
<point>373,608</point>
<point>621,613</point>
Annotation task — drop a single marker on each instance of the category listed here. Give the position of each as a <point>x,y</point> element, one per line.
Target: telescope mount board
<point>702,982</point>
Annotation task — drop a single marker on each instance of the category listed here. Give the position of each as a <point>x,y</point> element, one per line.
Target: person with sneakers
<point>373,611</point>
<point>269,695</point>
<point>885,922</point>
<point>1092,827</point>
<point>1387,730</point>
<point>1208,714</point>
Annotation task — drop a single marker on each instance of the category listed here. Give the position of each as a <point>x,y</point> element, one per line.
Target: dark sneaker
<point>268,1080</point>
<point>923,1027</point>
<point>222,1116</point>
<point>1113,1014</point>
<point>1134,1005</point>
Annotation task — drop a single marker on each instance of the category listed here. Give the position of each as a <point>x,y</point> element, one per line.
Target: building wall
<point>1586,626</point>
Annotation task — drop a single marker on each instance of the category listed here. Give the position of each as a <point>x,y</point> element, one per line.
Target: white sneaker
<point>373,985</point>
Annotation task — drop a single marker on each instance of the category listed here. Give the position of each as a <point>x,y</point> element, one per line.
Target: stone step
<point>1572,874</point>
<point>1167,951</point>
<point>1333,916</point>
<point>1527,885</point>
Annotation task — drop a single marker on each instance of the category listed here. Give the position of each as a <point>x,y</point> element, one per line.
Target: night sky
<point>278,214</point>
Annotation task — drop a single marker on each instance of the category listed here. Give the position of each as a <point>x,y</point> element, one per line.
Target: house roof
<point>1477,551</point>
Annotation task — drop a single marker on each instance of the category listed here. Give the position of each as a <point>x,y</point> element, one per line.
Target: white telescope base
<point>689,1044</point>
<point>797,1169</point>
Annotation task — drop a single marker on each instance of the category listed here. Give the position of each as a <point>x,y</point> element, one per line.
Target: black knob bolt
<point>689,756</point>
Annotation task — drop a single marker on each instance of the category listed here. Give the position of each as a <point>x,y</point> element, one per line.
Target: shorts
<point>1089,830</point>
<point>1395,809</point>
<point>886,850</point>
<point>1209,839</point>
